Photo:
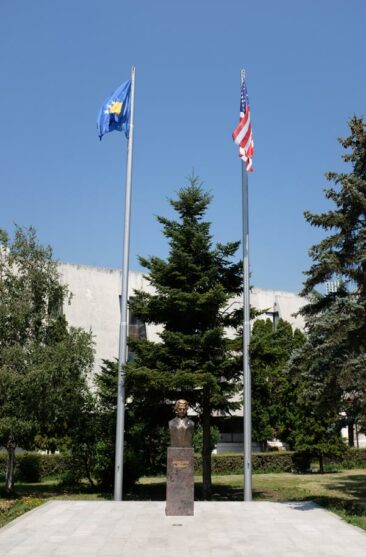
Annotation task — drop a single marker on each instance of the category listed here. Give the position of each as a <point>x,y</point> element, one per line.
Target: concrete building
<point>95,306</point>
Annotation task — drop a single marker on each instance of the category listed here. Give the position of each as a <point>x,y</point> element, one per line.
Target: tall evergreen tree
<point>194,359</point>
<point>274,408</point>
<point>333,360</point>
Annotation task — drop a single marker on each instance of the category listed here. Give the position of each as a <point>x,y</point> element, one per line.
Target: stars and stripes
<point>242,135</point>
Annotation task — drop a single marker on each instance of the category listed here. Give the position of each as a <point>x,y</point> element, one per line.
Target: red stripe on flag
<point>243,135</point>
<point>245,142</point>
<point>242,123</point>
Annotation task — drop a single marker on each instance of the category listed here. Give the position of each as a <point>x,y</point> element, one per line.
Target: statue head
<point>181,408</point>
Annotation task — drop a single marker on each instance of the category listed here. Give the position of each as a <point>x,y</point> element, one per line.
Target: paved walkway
<point>141,529</point>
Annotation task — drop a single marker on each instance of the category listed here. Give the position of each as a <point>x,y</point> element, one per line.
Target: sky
<point>304,64</point>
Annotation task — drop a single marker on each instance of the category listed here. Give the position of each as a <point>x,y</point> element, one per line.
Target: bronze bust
<point>181,427</point>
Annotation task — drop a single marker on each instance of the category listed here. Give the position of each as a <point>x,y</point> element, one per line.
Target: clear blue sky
<point>305,64</point>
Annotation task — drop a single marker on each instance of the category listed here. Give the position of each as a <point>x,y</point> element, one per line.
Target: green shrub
<point>29,468</point>
<point>302,462</point>
<point>52,465</point>
<point>73,471</point>
<point>275,462</point>
<point>49,465</point>
<point>132,470</point>
<point>197,440</point>
<point>2,466</point>
<point>352,458</point>
<point>104,467</point>
<point>104,464</point>
<point>32,467</point>
<point>263,463</point>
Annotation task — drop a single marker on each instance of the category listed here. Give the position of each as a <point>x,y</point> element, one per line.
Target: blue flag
<point>115,111</point>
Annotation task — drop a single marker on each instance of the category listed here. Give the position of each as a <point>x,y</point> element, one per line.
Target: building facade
<point>95,306</point>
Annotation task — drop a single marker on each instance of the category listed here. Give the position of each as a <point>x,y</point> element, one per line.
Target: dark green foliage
<point>337,321</point>
<point>74,469</point>
<point>331,367</point>
<point>104,464</point>
<point>35,465</point>
<point>52,465</point>
<point>318,431</point>
<point>29,468</point>
<point>55,466</point>
<point>352,458</point>
<point>302,461</point>
<point>283,461</point>
<point>265,463</point>
<point>274,407</point>
<point>194,360</point>
<point>104,467</point>
<point>43,363</point>
<point>262,463</point>
<point>197,441</point>
<point>137,453</point>
<point>79,446</point>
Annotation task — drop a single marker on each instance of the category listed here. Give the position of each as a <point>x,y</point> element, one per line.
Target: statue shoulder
<point>173,422</point>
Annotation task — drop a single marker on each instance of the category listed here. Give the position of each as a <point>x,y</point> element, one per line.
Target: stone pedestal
<point>180,482</point>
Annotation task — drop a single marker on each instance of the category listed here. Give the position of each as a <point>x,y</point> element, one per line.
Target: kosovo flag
<point>115,111</point>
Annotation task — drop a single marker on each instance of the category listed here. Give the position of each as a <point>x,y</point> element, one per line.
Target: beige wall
<point>95,304</point>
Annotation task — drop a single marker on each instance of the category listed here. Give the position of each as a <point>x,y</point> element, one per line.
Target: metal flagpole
<point>246,337</point>
<point>123,329</point>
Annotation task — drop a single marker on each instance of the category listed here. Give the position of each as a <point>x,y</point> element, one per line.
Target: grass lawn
<point>341,492</point>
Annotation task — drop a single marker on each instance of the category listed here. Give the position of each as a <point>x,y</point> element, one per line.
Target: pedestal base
<point>180,482</point>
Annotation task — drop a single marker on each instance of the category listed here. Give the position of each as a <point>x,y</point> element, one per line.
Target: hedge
<point>33,467</point>
<point>262,463</point>
<point>275,462</point>
<point>353,458</point>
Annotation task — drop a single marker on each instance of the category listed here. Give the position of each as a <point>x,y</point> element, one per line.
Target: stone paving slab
<point>141,529</point>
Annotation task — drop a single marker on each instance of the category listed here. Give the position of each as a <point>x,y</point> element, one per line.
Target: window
<point>136,330</point>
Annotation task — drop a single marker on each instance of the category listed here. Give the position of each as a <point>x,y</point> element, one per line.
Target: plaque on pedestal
<point>180,482</point>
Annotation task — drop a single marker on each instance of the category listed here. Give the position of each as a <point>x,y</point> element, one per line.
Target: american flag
<point>242,135</point>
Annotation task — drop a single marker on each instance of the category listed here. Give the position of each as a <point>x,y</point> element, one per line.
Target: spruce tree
<point>195,359</point>
<point>333,360</point>
<point>274,408</point>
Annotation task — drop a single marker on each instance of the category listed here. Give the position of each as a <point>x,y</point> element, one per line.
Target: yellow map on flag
<point>115,108</point>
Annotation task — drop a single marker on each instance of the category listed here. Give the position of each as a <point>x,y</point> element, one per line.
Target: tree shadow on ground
<point>47,490</point>
<point>353,485</point>
<point>351,507</point>
<point>157,492</point>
